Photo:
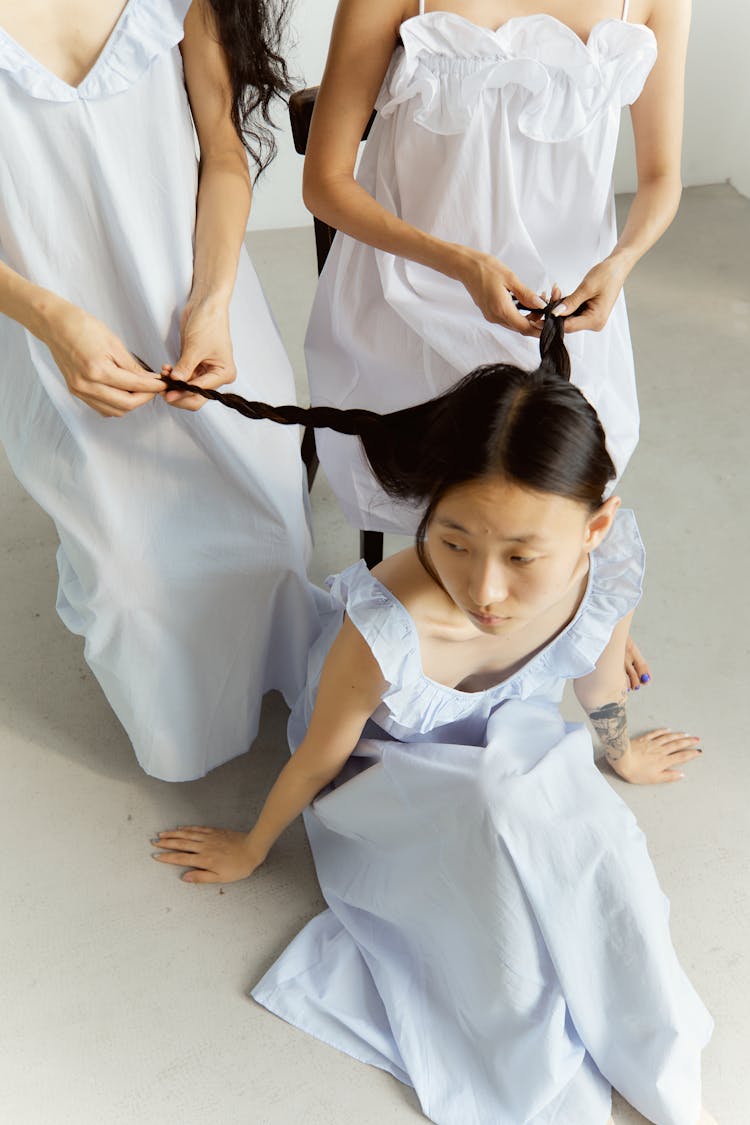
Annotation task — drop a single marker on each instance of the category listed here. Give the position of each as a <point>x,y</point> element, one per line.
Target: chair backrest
<point>301,106</point>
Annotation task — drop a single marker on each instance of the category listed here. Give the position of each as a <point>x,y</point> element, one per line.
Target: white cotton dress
<point>503,141</point>
<point>183,536</point>
<point>496,936</point>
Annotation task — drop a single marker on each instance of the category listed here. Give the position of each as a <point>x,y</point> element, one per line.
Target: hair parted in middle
<point>533,428</point>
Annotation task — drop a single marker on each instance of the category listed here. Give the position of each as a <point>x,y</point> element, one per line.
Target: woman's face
<point>507,555</point>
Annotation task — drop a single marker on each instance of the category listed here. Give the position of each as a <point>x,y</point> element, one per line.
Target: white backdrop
<point>717,125</point>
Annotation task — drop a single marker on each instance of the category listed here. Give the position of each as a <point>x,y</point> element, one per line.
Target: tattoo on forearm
<point>611,725</point>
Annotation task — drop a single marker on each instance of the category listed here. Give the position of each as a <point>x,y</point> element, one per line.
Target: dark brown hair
<point>251,32</point>
<point>534,428</point>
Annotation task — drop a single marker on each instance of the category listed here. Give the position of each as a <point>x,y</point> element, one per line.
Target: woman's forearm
<point>346,205</point>
<point>292,792</point>
<point>224,195</point>
<point>610,722</point>
<point>31,305</point>
<point>653,208</point>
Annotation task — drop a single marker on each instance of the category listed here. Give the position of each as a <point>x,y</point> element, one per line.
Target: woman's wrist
<point>43,312</point>
<point>213,301</point>
<point>255,849</point>
<point>623,259</point>
<point>456,261</point>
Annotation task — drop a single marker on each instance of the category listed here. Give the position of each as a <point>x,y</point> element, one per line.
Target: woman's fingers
<point>181,859</point>
<point>111,401</point>
<point>201,877</point>
<point>659,755</point>
<point>635,660</point>
<point>679,756</point>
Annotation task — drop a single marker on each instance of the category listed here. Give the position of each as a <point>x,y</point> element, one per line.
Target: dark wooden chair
<point>301,105</point>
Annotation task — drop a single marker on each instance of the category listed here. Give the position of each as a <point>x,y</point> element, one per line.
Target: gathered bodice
<point>555,86</point>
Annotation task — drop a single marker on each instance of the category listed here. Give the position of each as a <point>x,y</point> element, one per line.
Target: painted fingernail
<point>637,687</point>
<point>561,310</point>
<point>155,840</point>
<point>645,678</point>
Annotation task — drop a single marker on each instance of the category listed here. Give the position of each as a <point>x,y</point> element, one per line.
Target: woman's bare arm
<point>223,205</point>
<point>95,363</point>
<point>350,689</point>
<point>654,757</point>
<point>657,117</point>
<point>364,37</point>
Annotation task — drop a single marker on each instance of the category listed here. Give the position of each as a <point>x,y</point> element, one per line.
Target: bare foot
<point>636,667</point>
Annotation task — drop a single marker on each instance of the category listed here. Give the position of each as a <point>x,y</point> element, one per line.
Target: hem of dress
<point>278,1012</point>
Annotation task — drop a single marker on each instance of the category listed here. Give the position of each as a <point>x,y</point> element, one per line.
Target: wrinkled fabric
<point>503,141</point>
<point>183,536</point>
<point>495,934</point>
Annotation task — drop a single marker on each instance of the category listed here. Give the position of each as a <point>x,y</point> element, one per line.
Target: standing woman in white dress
<point>183,543</point>
<point>487,177</point>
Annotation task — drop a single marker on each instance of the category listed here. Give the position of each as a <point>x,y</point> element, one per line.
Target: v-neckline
<point>104,51</point>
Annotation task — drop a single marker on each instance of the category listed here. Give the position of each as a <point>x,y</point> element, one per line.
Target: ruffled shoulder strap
<point>145,30</point>
<point>411,700</point>
<point>615,588</point>
<point>382,620</point>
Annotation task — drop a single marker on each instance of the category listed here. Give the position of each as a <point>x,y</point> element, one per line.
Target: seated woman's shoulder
<point>406,578</point>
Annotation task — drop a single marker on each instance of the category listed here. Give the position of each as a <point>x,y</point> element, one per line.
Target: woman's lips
<point>488,619</point>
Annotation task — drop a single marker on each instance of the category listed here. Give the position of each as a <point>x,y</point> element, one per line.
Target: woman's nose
<point>488,586</point>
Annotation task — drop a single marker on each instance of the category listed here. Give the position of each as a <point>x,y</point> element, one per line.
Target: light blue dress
<point>496,936</point>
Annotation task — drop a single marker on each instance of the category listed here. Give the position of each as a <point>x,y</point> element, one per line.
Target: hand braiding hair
<point>554,361</point>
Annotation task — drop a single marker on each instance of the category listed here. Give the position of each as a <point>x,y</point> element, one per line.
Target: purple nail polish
<point>645,678</point>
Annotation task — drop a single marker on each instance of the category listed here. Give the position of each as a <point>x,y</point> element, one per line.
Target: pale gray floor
<point>123,991</point>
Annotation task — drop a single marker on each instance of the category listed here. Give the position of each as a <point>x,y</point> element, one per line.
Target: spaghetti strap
<point>624,16</point>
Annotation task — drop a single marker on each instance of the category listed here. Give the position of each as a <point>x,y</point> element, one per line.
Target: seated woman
<point>496,936</point>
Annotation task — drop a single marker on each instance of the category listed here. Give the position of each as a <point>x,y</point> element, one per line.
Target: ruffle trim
<point>145,30</point>
<point>562,84</point>
<point>413,700</point>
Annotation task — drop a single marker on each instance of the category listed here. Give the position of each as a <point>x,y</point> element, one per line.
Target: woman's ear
<point>599,523</point>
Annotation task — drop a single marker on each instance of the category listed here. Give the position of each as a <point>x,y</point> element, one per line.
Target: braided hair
<point>534,428</point>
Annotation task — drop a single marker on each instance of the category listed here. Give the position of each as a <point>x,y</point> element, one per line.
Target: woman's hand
<point>492,287</point>
<point>214,855</point>
<point>656,757</point>
<point>637,669</point>
<point>96,365</point>
<point>590,305</point>
<point>207,359</point>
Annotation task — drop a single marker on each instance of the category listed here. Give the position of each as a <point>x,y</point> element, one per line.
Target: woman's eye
<point>521,559</point>
<point>453,546</point>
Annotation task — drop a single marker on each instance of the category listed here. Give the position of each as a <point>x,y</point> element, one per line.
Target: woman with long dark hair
<point>496,936</point>
<point>115,238</point>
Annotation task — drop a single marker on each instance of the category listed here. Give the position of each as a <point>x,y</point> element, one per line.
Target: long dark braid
<point>534,427</point>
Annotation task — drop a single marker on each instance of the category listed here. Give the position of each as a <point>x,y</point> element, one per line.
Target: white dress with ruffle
<point>503,141</point>
<point>496,936</point>
<point>183,536</point>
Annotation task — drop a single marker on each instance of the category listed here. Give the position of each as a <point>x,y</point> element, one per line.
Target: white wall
<point>717,107</point>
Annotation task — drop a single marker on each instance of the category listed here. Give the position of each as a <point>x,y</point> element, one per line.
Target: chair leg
<point>310,455</point>
<point>371,547</point>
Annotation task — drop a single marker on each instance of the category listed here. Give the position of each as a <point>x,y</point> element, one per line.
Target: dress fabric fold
<point>495,934</point>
